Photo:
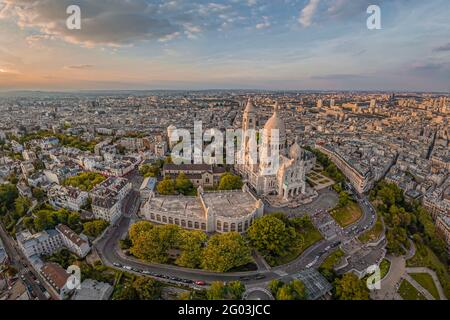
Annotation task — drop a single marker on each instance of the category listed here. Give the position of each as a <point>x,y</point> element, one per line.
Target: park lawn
<point>385,265</point>
<point>306,238</point>
<point>347,215</point>
<point>408,292</point>
<point>425,257</point>
<point>426,281</point>
<point>332,260</point>
<point>374,233</point>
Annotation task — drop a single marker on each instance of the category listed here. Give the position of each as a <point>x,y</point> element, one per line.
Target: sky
<point>225,44</point>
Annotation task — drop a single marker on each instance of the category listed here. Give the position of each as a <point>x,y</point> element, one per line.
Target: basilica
<point>287,179</point>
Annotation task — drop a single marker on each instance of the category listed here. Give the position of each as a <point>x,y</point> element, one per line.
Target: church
<point>288,179</point>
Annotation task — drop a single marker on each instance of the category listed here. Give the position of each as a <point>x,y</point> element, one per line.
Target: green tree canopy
<point>153,245</point>
<point>270,235</point>
<point>94,228</point>
<point>183,185</point>
<point>138,228</point>
<point>349,287</point>
<point>85,181</point>
<point>225,251</point>
<point>8,196</point>
<point>230,181</point>
<point>191,243</point>
<point>233,290</point>
<point>166,187</point>
<point>147,289</point>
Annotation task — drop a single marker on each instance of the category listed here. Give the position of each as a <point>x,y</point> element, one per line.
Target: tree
<point>147,289</point>
<point>236,290</point>
<point>183,185</point>
<point>217,291</point>
<point>285,293</point>
<point>230,182</point>
<point>225,251</point>
<point>274,286</point>
<point>45,219</point>
<point>344,199</point>
<point>138,228</point>
<point>8,196</point>
<point>126,292</point>
<point>28,222</point>
<point>349,287</point>
<point>270,235</point>
<point>148,170</point>
<point>38,194</point>
<point>191,244</point>
<point>153,245</point>
<point>166,187</point>
<point>298,289</point>
<point>288,291</point>
<point>94,228</point>
<point>22,205</point>
<point>85,181</point>
<point>74,221</point>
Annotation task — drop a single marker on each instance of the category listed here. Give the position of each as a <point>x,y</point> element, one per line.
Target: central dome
<point>275,122</point>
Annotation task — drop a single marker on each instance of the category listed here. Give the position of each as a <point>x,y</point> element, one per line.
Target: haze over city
<point>257,44</point>
<point>246,151</point>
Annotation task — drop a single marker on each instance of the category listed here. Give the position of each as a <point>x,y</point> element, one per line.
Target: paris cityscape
<point>334,184</point>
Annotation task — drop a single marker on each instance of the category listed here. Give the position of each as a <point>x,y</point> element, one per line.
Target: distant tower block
<point>331,102</point>
<point>319,103</point>
<point>373,103</point>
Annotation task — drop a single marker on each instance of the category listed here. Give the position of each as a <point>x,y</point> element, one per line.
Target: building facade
<point>281,173</point>
<point>107,198</point>
<point>221,211</point>
<point>204,175</point>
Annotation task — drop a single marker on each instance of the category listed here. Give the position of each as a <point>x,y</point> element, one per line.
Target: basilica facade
<point>280,169</point>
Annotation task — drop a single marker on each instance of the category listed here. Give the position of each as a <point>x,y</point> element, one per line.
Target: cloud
<point>108,22</point>
<point>443,48</point>
<point>265,24</point>
<point>308,12</point>
<point>169,37</point>
<point>80,66</point>
<point>191,31</point>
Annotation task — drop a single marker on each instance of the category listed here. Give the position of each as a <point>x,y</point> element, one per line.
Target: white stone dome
<point>275,122</point>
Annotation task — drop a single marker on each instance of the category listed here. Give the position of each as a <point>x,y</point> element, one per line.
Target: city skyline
<point>253,44</point>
